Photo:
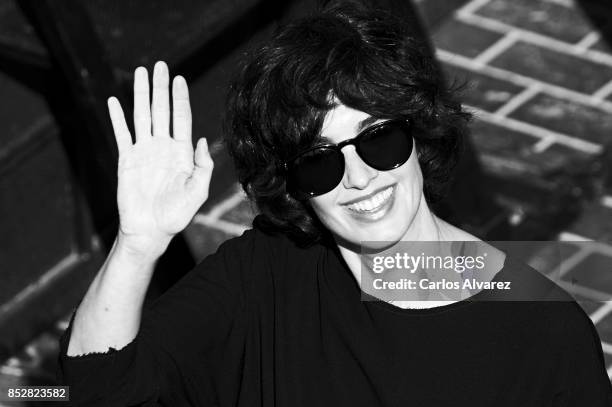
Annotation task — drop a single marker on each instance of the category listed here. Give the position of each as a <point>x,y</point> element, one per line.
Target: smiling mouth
<point>372,204</point>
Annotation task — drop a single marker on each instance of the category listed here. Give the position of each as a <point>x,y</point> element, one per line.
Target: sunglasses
<point>319,169</point>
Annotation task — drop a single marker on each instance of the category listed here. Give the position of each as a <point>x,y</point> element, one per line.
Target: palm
<point>151,192</point>
<point>161,184</point>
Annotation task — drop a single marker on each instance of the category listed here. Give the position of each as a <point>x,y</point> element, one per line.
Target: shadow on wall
<point>600,14</point>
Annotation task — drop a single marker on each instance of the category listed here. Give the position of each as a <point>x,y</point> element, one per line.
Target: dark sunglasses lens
<point>316,172</point>
<point>386,147</point>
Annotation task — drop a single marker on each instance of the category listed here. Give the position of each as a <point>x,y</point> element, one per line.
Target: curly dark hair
<point>362,57</point>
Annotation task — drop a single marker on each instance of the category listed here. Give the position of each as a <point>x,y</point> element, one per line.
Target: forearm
<point>109,314</point>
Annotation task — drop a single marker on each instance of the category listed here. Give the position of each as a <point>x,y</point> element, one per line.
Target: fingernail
<point>141,70</point>
<point>179,82</point>
<point>160,66</point>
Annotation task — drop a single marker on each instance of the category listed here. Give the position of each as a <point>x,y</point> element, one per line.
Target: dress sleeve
<point>586,381</point>
<point>171,360</point>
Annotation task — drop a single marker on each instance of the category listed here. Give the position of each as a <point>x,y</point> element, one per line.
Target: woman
<point>343,136</point>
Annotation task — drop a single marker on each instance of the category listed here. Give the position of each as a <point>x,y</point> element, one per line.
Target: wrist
<point>142,247</point>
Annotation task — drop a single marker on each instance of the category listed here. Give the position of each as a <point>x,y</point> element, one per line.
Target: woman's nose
<point>357,174</point>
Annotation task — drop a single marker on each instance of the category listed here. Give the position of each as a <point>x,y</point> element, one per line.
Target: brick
<point>547,18</point>
<point>501,151</point>
<point>480,90</point>
<point>602,45</point>
<point>463,39</point>
<point>554,67</point>
<point>604,328</point>
<point>489,137</point>
<point>594,223</point>
<point>566,116</point>
<point>549,256</point>
<point>434,12</point>
<point>607,360</point>
<point>595,272</point>
<point>559,158</point>
<point>588,305</point>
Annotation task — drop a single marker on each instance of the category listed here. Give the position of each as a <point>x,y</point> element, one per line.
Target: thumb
<point>199,181</point>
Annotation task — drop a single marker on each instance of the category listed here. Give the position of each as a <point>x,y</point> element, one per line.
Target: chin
<point>374,236</point>
<point>381,237</point>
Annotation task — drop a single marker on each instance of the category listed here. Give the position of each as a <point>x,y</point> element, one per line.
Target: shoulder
<point>256,252</point>
<point>255,243</point>
<point>528,284</point>
<point>238,255</point>
<point>554,308</point>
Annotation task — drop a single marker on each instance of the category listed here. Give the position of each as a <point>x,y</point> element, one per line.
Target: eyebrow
<point>360,127</point>
<point>365,123</point>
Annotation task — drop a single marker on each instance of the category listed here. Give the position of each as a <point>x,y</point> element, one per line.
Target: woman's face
<point>393,197</point>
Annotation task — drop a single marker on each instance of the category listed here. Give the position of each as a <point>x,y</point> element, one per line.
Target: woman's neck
<point>425,227</point>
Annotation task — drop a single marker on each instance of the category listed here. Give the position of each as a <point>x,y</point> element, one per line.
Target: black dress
<point>264,323</point>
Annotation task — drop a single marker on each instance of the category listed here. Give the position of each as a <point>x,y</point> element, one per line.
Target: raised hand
<point>161,182</point>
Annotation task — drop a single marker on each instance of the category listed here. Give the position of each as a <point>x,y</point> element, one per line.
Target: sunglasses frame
<point>286,165</point>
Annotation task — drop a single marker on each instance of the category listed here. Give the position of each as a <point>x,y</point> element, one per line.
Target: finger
<point>200,179</point>
<point>142,105</point>
<point>120,128</point>
<point>181,110</point>
<point>161,103</point>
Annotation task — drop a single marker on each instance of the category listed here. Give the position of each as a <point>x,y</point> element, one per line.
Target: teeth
<point>373,203</point>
